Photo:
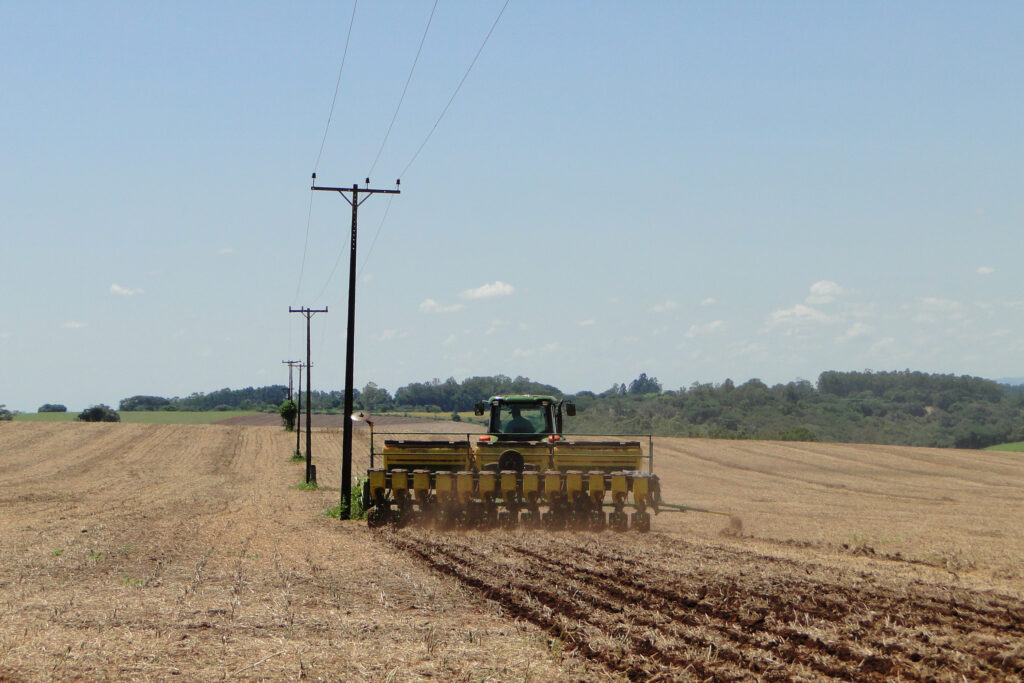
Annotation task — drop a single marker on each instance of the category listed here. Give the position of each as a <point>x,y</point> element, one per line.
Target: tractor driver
<point>518,424</point>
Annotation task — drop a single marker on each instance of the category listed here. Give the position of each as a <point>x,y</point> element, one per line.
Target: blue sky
<point>692,190</point>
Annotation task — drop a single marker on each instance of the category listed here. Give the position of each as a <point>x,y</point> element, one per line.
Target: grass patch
<point>297,457</point>
<point>355,506</point>
<point>307,486</point>
<point>1017,447</point>
<point>160,417</point>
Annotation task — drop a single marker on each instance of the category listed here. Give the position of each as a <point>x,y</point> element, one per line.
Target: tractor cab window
<point>523,419</point>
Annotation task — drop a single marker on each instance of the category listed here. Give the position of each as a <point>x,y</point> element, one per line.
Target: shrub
<point>100,413</point>
<point>797,434</point>
<point>53,408</point>
<point>5,414</point>
<point>288,411</point>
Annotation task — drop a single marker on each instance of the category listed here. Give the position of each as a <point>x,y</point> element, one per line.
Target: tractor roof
<point>522,398</point>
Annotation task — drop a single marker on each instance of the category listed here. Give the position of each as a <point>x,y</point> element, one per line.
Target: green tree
<point>5,414</point>
<point>52,408</point>
<point>99,413</point>
<point>142,403</point>
<point>644,385</point>
<point>373,399</point>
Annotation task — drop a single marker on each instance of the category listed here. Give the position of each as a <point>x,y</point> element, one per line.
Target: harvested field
<point>150,551</point>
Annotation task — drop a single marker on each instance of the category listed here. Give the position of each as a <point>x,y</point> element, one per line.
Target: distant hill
<point>1012,381</point>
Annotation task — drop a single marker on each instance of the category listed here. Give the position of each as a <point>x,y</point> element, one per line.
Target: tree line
<point>900,408</point>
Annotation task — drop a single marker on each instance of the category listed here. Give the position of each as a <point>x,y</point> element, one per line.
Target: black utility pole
<point>298,416</point>
<point>291,366</point>
<point>310,471</point>
<point>346,442</point>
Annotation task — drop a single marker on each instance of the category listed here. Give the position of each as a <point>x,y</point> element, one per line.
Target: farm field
<point>150,551</point>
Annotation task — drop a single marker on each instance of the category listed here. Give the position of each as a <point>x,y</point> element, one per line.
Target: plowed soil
<point>164,551</point>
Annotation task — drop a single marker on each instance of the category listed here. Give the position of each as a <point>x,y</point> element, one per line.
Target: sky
<point>696,191</point>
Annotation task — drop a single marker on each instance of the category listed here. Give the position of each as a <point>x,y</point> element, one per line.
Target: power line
<point>330,114</point>
<point>404,90</point>
<point>323,142</point>
<point>380,151</point>
<point>380,226</point>
<point>459,87</point>
<point>305,248</point>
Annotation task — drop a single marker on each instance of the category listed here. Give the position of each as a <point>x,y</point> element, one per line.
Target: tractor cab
<point>524,418</point>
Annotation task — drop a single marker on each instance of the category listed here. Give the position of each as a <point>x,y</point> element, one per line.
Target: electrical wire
<point>323,142</point>
<point>451,99</point>
<point>334,99</point>
<point>426,139</point>
<point>404,90</point>
<point>373,242</point>
<point>383,143</point>
<point>305,247</point>
<point>459,87</point>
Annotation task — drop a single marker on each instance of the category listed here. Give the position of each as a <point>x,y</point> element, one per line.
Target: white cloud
<point>385,335</point>
<point>74,325</point>
<point>710,301</point>
<point>935,304</point>
<point>543,350</point>
<point>796,317</point>
<point>824,292</point>
<point>706,328</point>
<point>857,329</point>
<point>986,270</point>
<point>125,291</point>
<point>366,278</point>
<point>663,307</point>
<point>5,335</point>
<point>431,306</point>
<point>883,344</point>
<point>586,323</point>
<point>496,288</point>
<point>495,326</point>
<point>449,340</point>
<point>225,250</point>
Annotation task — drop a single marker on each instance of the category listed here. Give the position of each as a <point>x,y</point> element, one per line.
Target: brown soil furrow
<point>755,634</point>
<point>933,604</point>
<point>763,627</point>
<point>570,622</point>
<point>679,639</point>
<point>692,604</point>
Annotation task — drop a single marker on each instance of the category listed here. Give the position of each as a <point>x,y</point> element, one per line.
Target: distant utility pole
<point>310,471</point>
<point>291,366</point>
<point>298,414</point>
<point>346,442</point>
